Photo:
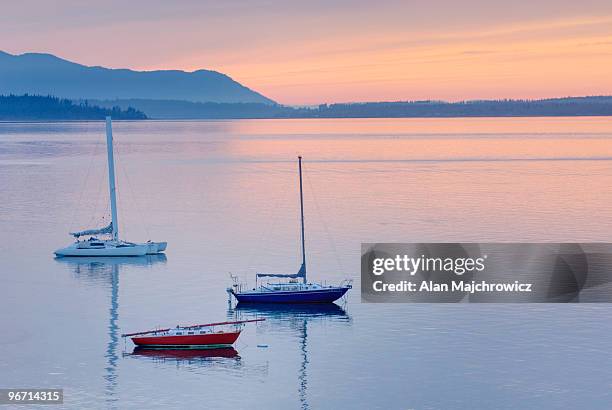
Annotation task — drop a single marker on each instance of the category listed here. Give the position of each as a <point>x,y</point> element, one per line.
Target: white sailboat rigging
<point>112,246</point>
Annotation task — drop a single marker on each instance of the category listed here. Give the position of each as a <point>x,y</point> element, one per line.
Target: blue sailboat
<point>293,291</point>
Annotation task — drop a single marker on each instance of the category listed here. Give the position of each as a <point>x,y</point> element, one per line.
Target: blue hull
<point>314,296</point>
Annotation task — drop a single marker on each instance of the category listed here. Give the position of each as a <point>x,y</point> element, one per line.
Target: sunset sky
<point>316,51</point>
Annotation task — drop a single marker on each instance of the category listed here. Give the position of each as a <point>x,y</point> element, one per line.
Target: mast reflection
<point>297,317</point>
<point>105,271</point>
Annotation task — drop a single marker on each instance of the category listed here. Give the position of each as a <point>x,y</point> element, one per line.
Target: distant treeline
<point>176,109</point>
<point>571,106</point>
<point>40,108</point>
<point>32,107</point>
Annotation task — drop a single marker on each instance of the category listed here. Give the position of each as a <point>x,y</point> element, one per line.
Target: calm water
<point>224,195</point>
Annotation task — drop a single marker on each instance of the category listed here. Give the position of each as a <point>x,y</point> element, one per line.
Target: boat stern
<point>155,247</point>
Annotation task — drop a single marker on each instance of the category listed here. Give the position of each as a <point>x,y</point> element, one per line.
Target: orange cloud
<point>530,60</point>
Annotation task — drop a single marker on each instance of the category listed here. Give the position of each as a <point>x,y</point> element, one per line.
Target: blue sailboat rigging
<point>292,291</point>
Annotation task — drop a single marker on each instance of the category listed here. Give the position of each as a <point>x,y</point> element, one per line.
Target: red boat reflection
<point>185,354</point>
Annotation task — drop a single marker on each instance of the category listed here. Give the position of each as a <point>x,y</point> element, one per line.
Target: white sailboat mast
<point>111,177</point>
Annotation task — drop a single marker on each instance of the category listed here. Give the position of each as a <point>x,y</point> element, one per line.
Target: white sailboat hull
<point>155,247</point>
<point>108,249</point>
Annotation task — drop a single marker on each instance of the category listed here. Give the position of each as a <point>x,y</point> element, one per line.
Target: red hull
<point>208,339</point>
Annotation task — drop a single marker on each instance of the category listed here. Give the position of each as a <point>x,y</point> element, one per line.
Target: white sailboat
<point>112,246</point>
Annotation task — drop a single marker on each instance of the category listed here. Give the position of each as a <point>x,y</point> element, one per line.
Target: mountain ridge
<point>47,74</point>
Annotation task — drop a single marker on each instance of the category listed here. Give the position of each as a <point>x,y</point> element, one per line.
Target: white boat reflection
<point>105,271</point>
<point>97,265</point>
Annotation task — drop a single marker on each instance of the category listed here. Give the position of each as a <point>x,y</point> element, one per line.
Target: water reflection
<point>101,269</point>
<point>227,357</point>
<point>296,318</point>
<point>193,360</point>
<point>290,313</point>
<point>104,270</point>
<point>187,354</point>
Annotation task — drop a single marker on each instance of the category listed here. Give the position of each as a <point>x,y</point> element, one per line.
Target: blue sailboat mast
<point>303,268</point>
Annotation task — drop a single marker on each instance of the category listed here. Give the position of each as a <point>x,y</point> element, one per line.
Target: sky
<point>312,52</point>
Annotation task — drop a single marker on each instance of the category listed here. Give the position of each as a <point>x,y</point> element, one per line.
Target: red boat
<point>204,336</point>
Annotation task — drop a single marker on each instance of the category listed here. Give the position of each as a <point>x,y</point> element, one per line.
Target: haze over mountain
<point>46,74</point>
<point>551,107</point>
